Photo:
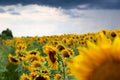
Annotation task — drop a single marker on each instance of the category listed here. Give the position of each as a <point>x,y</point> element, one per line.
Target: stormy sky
<point>108,4</point>
<point>51,17</point>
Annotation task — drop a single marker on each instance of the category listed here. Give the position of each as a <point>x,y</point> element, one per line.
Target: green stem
<point>63,66</point>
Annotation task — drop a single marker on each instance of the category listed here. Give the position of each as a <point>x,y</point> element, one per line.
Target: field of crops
<point>62,57</point>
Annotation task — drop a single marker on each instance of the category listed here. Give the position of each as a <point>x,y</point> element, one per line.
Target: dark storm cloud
<point>107,4</point>
<point>74,13</point>
<point>9,9</point>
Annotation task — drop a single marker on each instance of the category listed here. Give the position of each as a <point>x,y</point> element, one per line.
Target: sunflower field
<point>90,56</point>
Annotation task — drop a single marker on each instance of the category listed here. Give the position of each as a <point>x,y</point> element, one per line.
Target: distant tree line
<point>6,34</point>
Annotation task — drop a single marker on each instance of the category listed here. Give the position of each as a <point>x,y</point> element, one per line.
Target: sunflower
<point>104,32</point>
<point>33,52</point>
<point>57,77</point>
<point>65,53</point>
<point>99,61</point>
<point>45,71</point>
<point>25,77</point>
<point>21,46</point>
<point>35,65</point>
<point>38,72</point>
<point>42,77</point>
<point>60,47</point>
<point>113,34</point>
<point>13,59</point>
<point>31,61</point>
<point>82,43</point>
<point>20,54</point>
<point>33,75</point>
<point>54,42</point>
<point>70,51</point>
<point>51,56</point>
<point>32,58</point>
<point>52,59</point>
<point>64,40</point>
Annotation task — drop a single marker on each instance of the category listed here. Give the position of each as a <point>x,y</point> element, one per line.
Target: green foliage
<point>71,78</point>
<point>38,47</point>
<point>11,73</point>
<point>21,70</point>
<point>0,36</point>
<point>7,70</point>
<point>75,51</point>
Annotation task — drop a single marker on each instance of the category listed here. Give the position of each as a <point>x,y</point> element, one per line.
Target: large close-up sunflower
<point>99,61</point>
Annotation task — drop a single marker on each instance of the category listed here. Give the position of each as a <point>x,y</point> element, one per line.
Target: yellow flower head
<point>54,42</point>
<point>65,53</point>
<point>57,77</point>
<point>45,71</point>
<point>98,62</point>
<point>60,47</point>
<point>21,46</point>
<point>64,40</point>
<point>113,34</point>
<point>20,54</point>
<point>35,65</point>
<point>25,77</point>
<point>32,58</point>
<point>13,59</point>
<point>33,52</point>
<point>51,56</point>
<point>33,75</point>
<point>70,51</point>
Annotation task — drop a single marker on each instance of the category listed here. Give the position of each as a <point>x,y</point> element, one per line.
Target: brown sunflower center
<point>26,79</point>
<point>37,65</point>
<point>60,48</point>
<point>109,70</point>
<point>52,56</point>
<point>66,54</point>
<point>40,78</point>
<point>14,60</point>
<point>34,53</point>
<point>113,34</point>
<point>44,71</point>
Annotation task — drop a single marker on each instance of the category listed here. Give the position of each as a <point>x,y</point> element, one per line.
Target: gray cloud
<point>2,10</point>
<point>14,13</point>
<point>75,13</point>
<point>10,9</point>
<point>96,20</point>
